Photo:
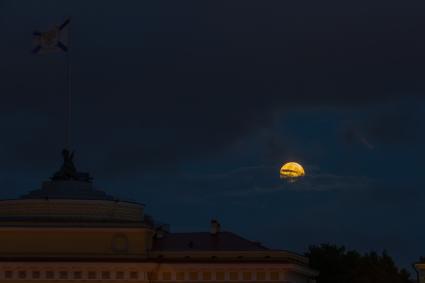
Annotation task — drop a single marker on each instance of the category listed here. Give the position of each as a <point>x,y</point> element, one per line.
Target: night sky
<point>191,107</point>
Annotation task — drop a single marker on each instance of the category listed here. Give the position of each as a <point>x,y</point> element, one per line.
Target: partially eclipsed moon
<point>291,170</point>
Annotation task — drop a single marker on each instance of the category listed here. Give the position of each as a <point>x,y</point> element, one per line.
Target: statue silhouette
<point>68,170</point>
<point>68,163</point>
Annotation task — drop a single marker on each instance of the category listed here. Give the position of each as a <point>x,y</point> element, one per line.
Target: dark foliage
<point>338,265</point>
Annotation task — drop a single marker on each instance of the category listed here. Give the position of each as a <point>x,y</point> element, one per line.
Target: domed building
<point>69,231</point>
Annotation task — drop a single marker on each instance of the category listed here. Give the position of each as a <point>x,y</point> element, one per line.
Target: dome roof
<point>67,189</point>
<point>70,201</point>
<point>70,197</point>
<point>70,210</point>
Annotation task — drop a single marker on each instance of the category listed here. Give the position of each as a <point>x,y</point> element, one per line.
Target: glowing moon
<point>291,170</point>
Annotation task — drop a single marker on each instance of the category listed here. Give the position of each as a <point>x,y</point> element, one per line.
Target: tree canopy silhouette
<point>338,265</point>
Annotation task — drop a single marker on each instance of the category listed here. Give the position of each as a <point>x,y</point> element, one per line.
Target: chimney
<point>215,227</point>
<point>160,232</point>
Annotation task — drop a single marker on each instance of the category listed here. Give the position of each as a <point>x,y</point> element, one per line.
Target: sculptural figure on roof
<point>68,170</point>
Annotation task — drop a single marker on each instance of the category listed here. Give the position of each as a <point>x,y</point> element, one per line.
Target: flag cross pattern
<point>50,40</point>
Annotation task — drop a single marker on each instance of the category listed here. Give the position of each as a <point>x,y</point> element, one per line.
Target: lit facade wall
<point>150,272</point>
<point>70,241</point>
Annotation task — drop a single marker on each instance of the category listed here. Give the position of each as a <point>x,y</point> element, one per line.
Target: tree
<point>337,265</point>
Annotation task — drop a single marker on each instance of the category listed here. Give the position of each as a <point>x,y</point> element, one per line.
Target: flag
<point>54,40</point>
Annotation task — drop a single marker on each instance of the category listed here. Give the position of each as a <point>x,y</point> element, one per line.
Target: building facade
<point>67,231</point>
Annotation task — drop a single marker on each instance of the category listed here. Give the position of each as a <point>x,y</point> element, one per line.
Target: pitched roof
<point>205,241</point>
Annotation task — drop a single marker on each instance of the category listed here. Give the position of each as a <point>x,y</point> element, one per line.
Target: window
<point>106,275</point>
<point>246,276</point>
<point>50,274</point>
<point>261,275</point>
<point>193,275</point>
<point>180,275</point>
<point>63,275</point>
<point>152,276</point>
<point>36,274</point>
<point>134,275</point>
<point>274,275</point>
<point>119,275</point>
<point>219,276</point>
<point>78,274</point>
<point>166,276</point>
<point>206,275</point>
<point>22,274</point>
<point>8,274</point>
<point>91,275</point>
<point>233,275</point>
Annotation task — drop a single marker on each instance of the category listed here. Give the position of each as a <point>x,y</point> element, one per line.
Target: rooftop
<point>205,241</point>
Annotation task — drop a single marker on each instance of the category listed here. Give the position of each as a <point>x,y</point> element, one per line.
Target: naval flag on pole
<point>54,40</point>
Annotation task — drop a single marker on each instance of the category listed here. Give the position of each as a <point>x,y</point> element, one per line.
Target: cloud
<point>333,182</point>
<point>392,124</point>
<point>262,180</point>
<point>315,183</point>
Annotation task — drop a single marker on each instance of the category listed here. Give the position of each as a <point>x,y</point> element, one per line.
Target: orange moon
<point>291,170</point>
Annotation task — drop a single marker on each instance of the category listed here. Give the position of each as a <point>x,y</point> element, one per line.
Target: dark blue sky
<point>191,107</point>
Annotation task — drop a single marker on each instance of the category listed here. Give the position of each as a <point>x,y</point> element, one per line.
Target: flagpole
<point>50,41</point>
<point>68,74</point>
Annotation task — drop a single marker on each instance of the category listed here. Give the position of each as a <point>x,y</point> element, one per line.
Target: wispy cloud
<point>251,181</point>
<point>317,183</point>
